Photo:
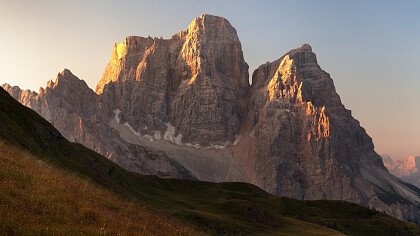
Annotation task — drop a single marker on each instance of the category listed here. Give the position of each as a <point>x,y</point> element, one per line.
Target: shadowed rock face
<point>183,108</point>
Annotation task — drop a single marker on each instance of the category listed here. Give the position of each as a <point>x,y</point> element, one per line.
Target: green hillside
<point>222,208</point>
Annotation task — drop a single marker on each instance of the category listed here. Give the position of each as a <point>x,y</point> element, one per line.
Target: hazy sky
<point>370,48</point>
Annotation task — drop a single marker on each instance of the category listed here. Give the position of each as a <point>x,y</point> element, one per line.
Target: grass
<point>215,208</point>
<point>39,198</point>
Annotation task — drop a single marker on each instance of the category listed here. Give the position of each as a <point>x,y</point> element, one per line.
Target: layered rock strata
<point>183,108</point>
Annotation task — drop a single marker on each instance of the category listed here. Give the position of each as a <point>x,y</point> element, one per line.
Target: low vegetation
<point>38,198</point>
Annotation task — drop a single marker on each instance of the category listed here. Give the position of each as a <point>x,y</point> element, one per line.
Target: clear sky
<point>370,48</point>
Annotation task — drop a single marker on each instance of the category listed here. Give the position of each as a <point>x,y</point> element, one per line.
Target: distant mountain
<point>49,185</point>
<point>183,108</point>
<point>408,169</point>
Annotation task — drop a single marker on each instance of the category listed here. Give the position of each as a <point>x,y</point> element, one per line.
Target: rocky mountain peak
<point>67,78</point>
<point>7,86</point>
<point>213,27</point>
<point>407,168</point>
<point>304,57</point>
<point>305,47</point>
<point>187,101</point>
<point>411,161</point>
<point>65,72</point>
<point>200,72</point>
<point>194,50</point>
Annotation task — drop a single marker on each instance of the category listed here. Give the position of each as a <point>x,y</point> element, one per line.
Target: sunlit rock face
<point>183,108</point>
<point>196,81</point>
<point>407,166</point>
<point>305,144</point>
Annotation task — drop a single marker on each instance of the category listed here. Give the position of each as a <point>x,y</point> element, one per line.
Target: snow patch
<point>237,139</point>
<point>216,146</point>
<point>131,129</point>
<point>196,146</point>
<point>148,137</point>
<point>170,134</point>
<point>117,115</point>
<point>158,136</point>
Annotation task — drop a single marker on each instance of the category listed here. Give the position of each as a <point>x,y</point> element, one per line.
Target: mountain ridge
<point>35,153</point>
<point>188,99</point>
<point>407,168</point>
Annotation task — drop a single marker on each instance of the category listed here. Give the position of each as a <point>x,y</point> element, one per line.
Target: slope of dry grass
<point>37,197</point>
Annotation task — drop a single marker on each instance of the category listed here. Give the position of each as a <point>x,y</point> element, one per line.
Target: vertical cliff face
<point>312,138</point>
<point>183,108</point>
<point>289,125</point>
<point>195,82</point>
<point>306,143</point>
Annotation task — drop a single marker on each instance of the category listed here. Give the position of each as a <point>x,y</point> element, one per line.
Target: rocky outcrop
<point>182,107</point>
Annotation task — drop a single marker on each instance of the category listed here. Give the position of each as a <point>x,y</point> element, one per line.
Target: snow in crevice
<point>126,124</point>
<point>158,136</point>
<point>170,135</point>
<point>117,115</point>
<point>146,136</point>
<point>150,138</point>
<point>237,139</point>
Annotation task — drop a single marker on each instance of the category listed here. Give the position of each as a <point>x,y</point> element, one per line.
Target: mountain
<point>52,186</point>
<point>183,108</point>
<point>74,109</point>
<point>406,166</point>
<point>408,169</point>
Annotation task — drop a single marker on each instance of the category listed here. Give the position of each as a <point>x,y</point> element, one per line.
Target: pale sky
<point>370,48</point>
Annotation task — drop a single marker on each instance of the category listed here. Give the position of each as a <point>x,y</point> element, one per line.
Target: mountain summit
<point>195,82</point>
<point>182,107</point>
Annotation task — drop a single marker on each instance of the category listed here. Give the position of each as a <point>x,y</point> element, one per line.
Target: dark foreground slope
<point>93,191</point>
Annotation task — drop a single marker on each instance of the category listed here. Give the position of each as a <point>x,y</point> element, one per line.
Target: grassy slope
<point>39,198</point>
<point>217,208</point>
